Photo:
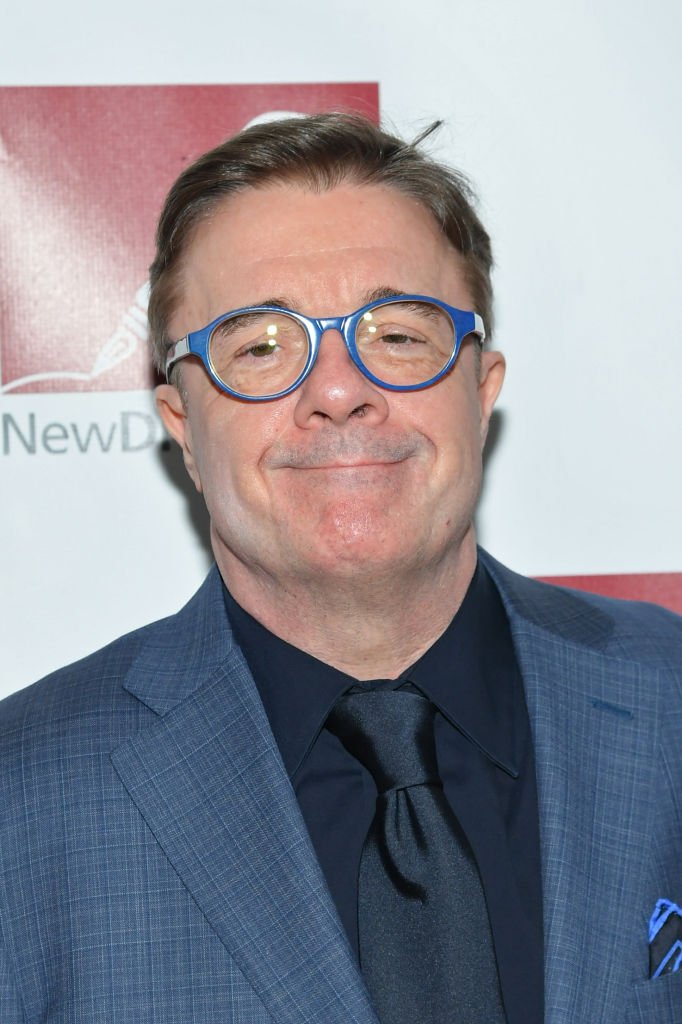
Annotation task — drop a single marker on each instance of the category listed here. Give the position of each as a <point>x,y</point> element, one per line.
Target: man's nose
<point>336,390</point>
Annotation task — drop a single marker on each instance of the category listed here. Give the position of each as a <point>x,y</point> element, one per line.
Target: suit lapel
<point>594,721</point>
<point>208,780</point>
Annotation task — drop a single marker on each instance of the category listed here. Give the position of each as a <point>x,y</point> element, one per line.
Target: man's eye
<point>261,348</point>
<point>401,338</point>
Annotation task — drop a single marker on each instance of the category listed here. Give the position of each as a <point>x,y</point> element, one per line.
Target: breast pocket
<point>659,1001</point>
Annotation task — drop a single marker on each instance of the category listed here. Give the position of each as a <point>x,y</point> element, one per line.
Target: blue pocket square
<point>665,939</point>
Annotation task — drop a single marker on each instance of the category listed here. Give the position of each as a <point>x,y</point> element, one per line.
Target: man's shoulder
<point>629,629</point>
<point>77,692</point>
<point>92,690</point>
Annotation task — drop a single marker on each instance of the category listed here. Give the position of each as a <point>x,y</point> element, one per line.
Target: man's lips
<point>338,453</point>
<point>363,464</point>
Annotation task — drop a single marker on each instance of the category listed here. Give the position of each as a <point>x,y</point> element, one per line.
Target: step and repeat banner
<point>100,530</point>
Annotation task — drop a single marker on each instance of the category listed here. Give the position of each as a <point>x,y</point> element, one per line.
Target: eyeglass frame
<point>196,343</point>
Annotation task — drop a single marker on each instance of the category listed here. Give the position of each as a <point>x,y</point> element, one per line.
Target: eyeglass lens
<point>401,343</point>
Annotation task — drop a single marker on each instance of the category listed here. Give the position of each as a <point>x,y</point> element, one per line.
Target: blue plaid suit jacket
<point>155,867</point>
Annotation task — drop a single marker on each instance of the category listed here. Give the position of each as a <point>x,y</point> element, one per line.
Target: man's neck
<point>371,628</point>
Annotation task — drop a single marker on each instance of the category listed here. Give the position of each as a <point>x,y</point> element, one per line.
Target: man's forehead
<point>323,253</point>
<point>278,207</point>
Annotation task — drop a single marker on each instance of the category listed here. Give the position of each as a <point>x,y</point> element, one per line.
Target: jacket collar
<point>181,652</point>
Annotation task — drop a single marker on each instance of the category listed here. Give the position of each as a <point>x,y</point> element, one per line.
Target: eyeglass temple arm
<point>479,328</point>
<point>175,352</point>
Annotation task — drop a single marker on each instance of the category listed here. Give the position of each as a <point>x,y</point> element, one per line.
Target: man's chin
<point>356,544</point>
<point>359,539</point>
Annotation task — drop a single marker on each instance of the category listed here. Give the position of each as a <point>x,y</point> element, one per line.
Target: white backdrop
<point>566,117</point>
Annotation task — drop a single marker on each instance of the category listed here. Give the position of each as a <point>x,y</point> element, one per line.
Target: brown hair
<point>319,151</point>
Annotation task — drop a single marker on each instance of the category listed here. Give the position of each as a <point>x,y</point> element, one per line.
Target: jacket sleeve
<point>11,1011</point>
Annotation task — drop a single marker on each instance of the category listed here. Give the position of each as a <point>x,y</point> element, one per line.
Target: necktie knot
<point>391,733</point>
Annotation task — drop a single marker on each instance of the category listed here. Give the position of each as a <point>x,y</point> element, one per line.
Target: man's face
<point>340,479</point>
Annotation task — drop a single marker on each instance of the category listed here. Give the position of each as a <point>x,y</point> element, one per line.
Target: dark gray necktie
<point>426,948</point>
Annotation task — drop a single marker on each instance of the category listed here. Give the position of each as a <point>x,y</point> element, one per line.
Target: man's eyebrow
<point>423,309</point>
<point>277,300</point>
<point>374,295</point>
<point>382,292</point>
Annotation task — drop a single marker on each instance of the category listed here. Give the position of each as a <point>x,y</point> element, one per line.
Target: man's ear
<point>491,378</point>
<point>173,412</point>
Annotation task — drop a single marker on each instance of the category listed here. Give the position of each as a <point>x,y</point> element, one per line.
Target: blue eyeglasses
<point>403,343</point>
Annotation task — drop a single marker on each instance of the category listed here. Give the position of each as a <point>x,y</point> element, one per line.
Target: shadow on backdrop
<point>495,432</point>
<point>170,458</point>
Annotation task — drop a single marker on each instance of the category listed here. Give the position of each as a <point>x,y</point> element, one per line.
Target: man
<point>210,819</point>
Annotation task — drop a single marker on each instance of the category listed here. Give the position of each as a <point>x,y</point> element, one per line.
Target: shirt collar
<point>470,673</point>
<point>298,691</point>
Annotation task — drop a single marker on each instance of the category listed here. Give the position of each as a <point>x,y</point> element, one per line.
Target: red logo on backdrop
<point>83,174</point>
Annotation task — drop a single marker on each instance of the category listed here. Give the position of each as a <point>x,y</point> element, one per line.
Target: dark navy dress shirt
<point>485,756</point>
